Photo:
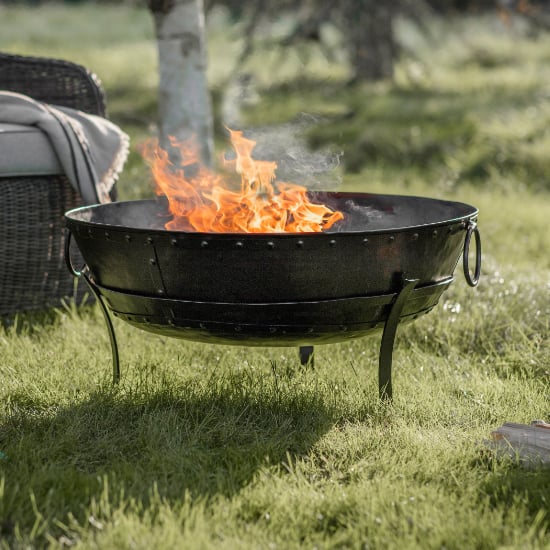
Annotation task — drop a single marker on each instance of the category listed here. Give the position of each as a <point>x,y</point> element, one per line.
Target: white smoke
<point>286,144</point>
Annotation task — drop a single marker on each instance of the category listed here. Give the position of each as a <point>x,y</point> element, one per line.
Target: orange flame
<point>201,200</point>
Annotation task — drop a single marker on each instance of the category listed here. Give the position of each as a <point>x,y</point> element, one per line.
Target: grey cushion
<point>26,151</point>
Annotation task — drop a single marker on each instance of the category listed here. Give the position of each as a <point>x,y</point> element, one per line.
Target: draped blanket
<point>91,149</point>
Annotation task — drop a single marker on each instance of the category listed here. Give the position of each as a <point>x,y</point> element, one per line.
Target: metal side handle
<point>472,228</point>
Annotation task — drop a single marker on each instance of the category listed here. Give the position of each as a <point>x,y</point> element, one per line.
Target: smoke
<point>359,215</point>
<point>286,144</point>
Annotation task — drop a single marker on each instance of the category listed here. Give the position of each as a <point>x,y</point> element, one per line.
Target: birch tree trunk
<point>184,101</point>
<point>370,39</point>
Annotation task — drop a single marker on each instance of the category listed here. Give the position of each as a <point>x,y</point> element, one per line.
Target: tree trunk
<point>371,41</point>
<point>184,101</point>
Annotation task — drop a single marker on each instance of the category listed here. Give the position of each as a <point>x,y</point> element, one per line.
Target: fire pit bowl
<point>388,260</point>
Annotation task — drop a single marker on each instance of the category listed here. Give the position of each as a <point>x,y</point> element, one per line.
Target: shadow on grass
<point>200,439</point>
<point>531,487</point>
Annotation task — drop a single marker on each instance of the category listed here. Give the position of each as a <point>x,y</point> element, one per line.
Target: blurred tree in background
<point>366,31</point>
<point>410,122</point>
<point>183,99</point>
<point>366,26</point>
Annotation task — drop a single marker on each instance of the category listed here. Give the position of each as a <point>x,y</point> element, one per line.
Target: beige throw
<point>91,149</point>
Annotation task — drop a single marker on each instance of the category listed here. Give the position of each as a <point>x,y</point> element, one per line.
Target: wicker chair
<point>33,274</point>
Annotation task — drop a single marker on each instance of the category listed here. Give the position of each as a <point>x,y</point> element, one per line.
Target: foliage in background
<point>367,27</point>
<point>456,111</point>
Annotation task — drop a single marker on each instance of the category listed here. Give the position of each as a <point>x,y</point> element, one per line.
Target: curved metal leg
<point>388,339</point>
<point>306,356</point>
<point>110,328</point>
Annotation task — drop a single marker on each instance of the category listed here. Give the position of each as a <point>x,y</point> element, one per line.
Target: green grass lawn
<point>233,447</point>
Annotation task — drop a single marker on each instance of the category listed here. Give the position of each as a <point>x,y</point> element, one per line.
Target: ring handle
<point>68,261</point>
<point>472,228</point>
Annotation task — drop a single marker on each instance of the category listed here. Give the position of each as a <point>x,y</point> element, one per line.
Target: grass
<point>234,447</point>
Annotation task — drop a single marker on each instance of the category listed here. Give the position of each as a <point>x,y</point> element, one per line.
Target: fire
<point>202,200</point>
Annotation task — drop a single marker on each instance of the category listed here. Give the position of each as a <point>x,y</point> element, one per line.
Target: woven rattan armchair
<point>33,274</point>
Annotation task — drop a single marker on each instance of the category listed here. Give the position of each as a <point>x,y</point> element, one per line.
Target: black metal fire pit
<point>388,261</point>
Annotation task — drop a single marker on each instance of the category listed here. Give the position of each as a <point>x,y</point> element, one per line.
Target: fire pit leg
<point>306,356</point>
<point>388,339</point>
<point>110,329</point>
<point>83,272</point>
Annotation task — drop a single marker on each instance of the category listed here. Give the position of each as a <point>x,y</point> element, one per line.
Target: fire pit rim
<point>471,215</point>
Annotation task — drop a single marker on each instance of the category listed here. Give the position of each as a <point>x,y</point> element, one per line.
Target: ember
<point>202,200</point>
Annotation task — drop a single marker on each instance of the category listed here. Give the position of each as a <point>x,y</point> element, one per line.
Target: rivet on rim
<point>365,241</point>
<point>239,244</point>
<point>174,242</point>
<point>392,238</point>
<point>415,236</point>
<point>271,245</point>
<point>332,242</point>
<point>204,244</point>
<point>160,292</point>
<point>152,261</point>
<point>149,240</point>
<point>107,235</point>
<point>434,234</point>
<point>128,238</point>
<point>300,244</point>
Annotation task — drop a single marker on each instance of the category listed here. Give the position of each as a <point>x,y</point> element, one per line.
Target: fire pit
<point>388,260</point>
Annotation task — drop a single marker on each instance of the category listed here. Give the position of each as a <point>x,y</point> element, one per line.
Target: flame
<point>202,200</point>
